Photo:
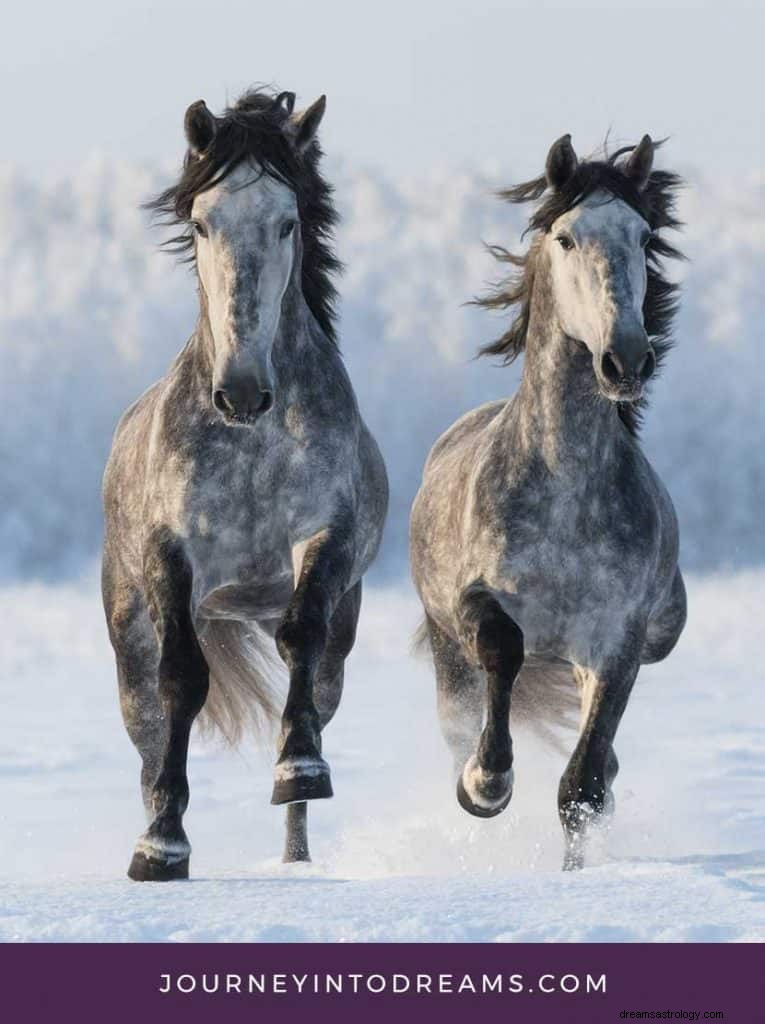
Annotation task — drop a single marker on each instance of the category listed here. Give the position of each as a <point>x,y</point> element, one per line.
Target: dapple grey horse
<point>244,496</point>
<point>542,541</point>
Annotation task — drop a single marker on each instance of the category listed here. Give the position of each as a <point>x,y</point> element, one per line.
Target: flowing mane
<point>656,203</point>
<point>252,130</point>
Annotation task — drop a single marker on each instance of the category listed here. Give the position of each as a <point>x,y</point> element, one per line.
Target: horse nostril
<point>612,367</point>
<point>222,403</point>
<point>242,403</point>
<point>646,368</point>
<point>266,401</point>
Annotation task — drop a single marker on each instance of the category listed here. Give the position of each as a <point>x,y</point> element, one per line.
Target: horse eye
<point>287,228</point>
<point>566,242</point>
<point>199,229</point>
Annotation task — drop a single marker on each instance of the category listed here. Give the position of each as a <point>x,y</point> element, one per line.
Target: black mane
<point>656,203</point>
<point>252,130</point>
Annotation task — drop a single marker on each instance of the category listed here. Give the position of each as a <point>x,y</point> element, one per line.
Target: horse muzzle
<point>624,368</point>
<point>242,400</point>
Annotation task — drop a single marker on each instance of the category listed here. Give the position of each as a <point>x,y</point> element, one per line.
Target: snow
<point>394,856</point>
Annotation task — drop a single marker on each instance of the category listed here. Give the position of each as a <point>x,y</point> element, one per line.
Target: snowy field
<point>394,857</point>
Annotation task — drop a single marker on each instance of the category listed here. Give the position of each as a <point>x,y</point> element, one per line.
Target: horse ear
<point>561,163</point>
<point>303,125</point>
<point>200,127</point>
<point>640,163</point>
<point>285,100</point>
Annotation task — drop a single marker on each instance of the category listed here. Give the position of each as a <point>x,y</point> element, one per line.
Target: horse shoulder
<point>133,421</point>
<point>463,432</point>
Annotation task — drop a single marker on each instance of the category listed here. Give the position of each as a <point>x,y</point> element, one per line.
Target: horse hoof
<point>481,793</point>
<point>149,869</point>
<point>301,779</point>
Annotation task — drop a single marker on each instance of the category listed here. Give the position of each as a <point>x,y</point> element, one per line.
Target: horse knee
<point>183,686</point>
<point>499,644</point>
<point>302,634</point>
<point>184,676</point>
<point>137,657</point>
<point>130,631</point>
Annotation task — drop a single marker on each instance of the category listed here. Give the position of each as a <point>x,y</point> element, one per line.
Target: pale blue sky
<point>409,84</point>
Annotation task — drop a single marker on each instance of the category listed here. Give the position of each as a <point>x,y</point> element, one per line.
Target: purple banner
<point>529,983</point>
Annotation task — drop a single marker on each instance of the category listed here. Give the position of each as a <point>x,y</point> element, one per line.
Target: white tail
<point>545,696</point>
<point>244,669</point>
<point>546,699</point>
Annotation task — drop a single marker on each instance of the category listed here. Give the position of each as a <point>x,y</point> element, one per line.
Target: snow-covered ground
<point>394,857</point>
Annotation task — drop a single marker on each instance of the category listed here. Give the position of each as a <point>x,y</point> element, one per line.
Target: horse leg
<point>302,637</point>
<point>584,794</point>
<point>135,646</point>
<point>585,682</point>
<point>162,852</point>
<point>327,690</point>
<point>458,694</point>
<point>496,641</point>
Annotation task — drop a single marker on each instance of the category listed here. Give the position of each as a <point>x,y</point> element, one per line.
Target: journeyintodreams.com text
<point>369,983</point>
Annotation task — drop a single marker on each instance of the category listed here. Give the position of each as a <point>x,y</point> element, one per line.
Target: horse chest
<point>571,565</point>
<point>246,510</point>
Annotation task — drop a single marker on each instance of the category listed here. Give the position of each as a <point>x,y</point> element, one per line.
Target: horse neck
<point>561,414</point>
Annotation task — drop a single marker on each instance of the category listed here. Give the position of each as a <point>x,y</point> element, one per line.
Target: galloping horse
<point>244,496</point>
<point>541,539</point>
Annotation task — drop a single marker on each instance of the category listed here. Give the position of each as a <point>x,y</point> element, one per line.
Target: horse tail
<point>244,694</point>
<point>546,700</point>
<point>545,697</point>
<point>420,643</point>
